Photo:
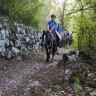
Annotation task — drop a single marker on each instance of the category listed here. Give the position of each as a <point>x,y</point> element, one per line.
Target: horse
<point>70,39</point>
<point>63,42</point>
<point>50,44</point>
<point>67,40</point>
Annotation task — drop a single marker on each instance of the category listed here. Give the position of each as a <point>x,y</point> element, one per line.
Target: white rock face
<point>15,39</point>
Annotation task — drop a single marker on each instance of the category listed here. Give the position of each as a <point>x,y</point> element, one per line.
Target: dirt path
<point>18,78</point>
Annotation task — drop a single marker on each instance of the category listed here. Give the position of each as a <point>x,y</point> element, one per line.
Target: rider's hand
<point>49,30</point>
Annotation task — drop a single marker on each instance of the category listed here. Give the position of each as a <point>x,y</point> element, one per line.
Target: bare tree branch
<point>80,10</point>
<point>74,6</point>
<point>86,3</point>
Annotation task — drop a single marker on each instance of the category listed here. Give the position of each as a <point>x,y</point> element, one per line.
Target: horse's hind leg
<point>53,56</point>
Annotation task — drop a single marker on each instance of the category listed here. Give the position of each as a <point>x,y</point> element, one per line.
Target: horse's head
<point>47,35</point>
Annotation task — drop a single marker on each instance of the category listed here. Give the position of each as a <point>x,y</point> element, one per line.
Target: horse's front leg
<point>48,55</point>
<point>52,56</point>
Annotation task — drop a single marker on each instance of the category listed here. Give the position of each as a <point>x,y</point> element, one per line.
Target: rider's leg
<point>59,35</point>
<point>52,35</point>
<point>58,46</point>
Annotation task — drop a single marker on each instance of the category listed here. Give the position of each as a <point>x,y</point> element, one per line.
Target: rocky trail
<point>16,78</point>
<point>34,77</point>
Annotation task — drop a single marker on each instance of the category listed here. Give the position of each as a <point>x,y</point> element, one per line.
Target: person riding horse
<point>51,27</point>
<point>66,36</point>
<point>50,38</point>
<point>59,35</point>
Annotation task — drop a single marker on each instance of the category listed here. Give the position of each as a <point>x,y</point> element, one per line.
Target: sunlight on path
<point>58,57</point>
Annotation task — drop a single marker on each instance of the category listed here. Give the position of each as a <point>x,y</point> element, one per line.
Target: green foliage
<point>33,13</point>
<point>78,86</point>
<point>85,26</point>
<point>82,94</point>
<point>92,93</point>
<point>57,87</point>
<point>28,12</point>
<point>77,79</point>
<point>23,11</point>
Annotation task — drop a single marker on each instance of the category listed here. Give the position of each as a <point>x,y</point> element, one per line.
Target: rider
<point>51,27</point>
<point>66,33</point>
<point>59,35</point>
<point>59,31</point>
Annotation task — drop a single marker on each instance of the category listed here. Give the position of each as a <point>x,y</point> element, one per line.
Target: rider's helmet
<point>53,15</point>
<point>65,28</point>
<point>59,23</point>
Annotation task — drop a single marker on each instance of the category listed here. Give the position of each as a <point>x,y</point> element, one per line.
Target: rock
<point>0,25</point>
<point>33,36</point>
<point>52,64</point>
<point>8,54</point>
<point>19,59</point>
<point>48,90</point>
<point>30,81</point>
<point>27,89</point>
<point>94,79</point>
<point>36,52</point>
<point>11,83</point>
<point>70,95</point>
<point>1,92</point>
<point>61,92</point>
<point>15,50</point>
<point>2,43</point>
<point>18,43</point>
<point>0,36</point>
<point>91,75</point>
<point>88,88</point>
<point>27,39</point>
<point>93,93</point>
<point>33,84</point>
<point>3,34</point>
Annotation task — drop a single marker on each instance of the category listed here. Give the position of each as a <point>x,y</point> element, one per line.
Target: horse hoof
<point>47,60</point>
<point>52,58</point>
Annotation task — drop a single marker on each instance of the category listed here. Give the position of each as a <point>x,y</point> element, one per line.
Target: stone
<point>0,36</point>
<point>8,54</point>
<point>19,59</point>
<point>15,50</point>
<point>48,90</point>
<point>27,39</point>
<point>2,43</point>
<point>91,75</point>
<point>70,95</point>
<point>33,84</point>
<point>3,34</point>
<point>1,93</point>
<point>94,79</point>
